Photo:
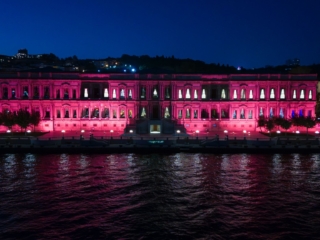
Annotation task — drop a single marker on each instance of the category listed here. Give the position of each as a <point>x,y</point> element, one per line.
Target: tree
<point>269,125</point>
<point>23,119</point>
<point>286,124</point>
<point>34,119</point>
<point>261,122</point>
<point>308,123</point>
<point>8,119</point>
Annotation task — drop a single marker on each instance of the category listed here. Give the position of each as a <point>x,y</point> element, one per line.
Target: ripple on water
<point>186,196</point>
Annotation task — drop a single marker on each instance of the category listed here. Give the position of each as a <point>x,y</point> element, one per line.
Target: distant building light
<point>125,70</point>
<point>239,68</point>
<point>133,70</point>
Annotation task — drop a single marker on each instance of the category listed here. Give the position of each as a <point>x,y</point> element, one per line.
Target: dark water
<point>181,196</point>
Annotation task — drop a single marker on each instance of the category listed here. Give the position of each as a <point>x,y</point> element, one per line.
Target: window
<point>271,113</point>
<point>242,115</point>
<point>166,113</point>
<point>188,94</point>
<point>5,93</point>
<point>203,95</point>
<point>66,94</point>
<point>143,112</point>
<point>261,112</point>
<point>302,94</point>
<point>235,95</point>
<point>74,93</point>
<point>85,113</point>
<point>130,94</point>
<point>95,113</point>
<point>66,113</point>
<point>272,95</point>
<point>282,94</point>
<point>85,94</point>
<point>195,114</point>
<point>36,92</point>
<point>188,113</point>
<point>180,94</point>
<point>310,94</point>
<point>294,94</point>
<point>250,94</point>
<point>47,113</point>
<point>122,113</point>
<point>114,94</point>
<point>223,94</point>
<point>214,114</point>
<point>167,92</point>
<point>250,114</point>
<point>46,93</point>
<point>105,93</point>
<point>13,93</point>
<point>25,92</point>
<point>105,113</point>
<point>122,95</point>
<point>180,114</point>
<point>74,115</point>
<point>262,94</point>
<point>114,113</point>
<point>281,114</point>
<point>155,92</point>
<point>58,114</point>
<point>234,115</point>
<point>309,113</point>
<point>224,113</point>
<point>143,92</point>
<point>130,113</point>
<point>293,114</point>
<point>195,96</point>
<point>243,94</point>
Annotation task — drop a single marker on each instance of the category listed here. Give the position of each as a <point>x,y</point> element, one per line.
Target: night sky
<point>248,33</point>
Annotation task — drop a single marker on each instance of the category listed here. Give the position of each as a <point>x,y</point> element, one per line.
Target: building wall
<point>104,102</point>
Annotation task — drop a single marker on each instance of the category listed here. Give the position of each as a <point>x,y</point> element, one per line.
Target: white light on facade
<point>316,132</point>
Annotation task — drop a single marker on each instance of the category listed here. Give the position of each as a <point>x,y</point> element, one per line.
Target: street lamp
<point>178,131</point>
<point>63,132</point>
<point>197,132</point>
<point>111,131</point>
<point>226,133</point>
<point>316,132</point>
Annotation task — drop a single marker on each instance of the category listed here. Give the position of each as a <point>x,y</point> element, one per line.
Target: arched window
<point>302,94</point>
<point>85,93</point>
<point>250,94</point>
<point>235,95</point>
<point>143,113</point>
<point>180,94</point>
<point>272,95</point>
<point>106,93</point>
<point>114,94</point>
<point>262,94</point>
<point>166,113</point>
<point>261,112</point>
<point>294,94</point>
<point>195,94</point>
<point>282,94</point>
<point>223,94</point>
<point>310,94</point>
<point>271,112</point>
<point>130,94</point>
<point>281,114</point>
<point>188,93</point>
<point>188,113</point>
<point>203,96</point>
<point>242,116</point>
<point>243,94</point>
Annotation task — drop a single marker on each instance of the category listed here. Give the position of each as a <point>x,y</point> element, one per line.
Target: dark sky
<point>248,33</point>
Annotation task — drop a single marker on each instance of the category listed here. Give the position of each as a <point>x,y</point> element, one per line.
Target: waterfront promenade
<point>100,142</point>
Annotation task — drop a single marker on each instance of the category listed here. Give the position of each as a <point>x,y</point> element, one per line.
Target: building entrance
<point>155,128</point>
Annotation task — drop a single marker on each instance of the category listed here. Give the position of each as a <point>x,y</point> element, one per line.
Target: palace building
<point>157,103</point>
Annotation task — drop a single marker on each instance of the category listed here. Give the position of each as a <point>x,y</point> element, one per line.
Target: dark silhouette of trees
<point>23,119</point>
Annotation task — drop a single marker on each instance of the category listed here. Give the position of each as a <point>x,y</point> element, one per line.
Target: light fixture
<point>178,131</point>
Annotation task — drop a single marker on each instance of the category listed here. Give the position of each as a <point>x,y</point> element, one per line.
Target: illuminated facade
<point>148,103</point>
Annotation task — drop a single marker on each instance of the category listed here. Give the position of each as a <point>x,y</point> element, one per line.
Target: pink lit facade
<point>157,103</point>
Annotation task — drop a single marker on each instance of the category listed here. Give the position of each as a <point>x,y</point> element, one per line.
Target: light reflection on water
<point>225,196</point>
